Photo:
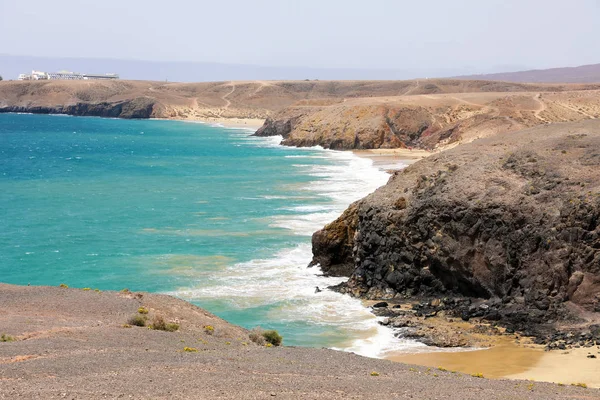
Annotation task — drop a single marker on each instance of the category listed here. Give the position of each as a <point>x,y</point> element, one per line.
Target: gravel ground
<point>72,344</point>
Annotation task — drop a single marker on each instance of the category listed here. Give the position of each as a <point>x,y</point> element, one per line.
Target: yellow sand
<point>391,159</point>
<point>513,361</point>
<point>251,123</point>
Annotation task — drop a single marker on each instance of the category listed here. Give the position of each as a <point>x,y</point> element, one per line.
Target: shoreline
<point>237,123</point>
<point>392,159</point>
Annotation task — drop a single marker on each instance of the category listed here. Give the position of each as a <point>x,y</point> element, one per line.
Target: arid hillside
<point>436,120</point>
<point>335,114</point>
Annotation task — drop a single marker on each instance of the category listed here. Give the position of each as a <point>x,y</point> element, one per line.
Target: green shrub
<point>374,373</point>
<point>209,329</point>
<point>143,310</point>
<point>86,289</point>
<point>190,349</point>
<point>273,337</point>
<point>137,320</point>
<point>63,285</point>
<point>6,338</point>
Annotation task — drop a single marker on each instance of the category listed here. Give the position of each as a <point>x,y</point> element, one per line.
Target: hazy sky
<point>316,33</point>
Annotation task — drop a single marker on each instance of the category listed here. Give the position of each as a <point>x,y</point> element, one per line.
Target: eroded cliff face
<point>513,219</point>
<point>137,108</point>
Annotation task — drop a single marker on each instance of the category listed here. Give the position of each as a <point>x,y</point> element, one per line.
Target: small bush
<point>97,290</point>
<point>209,329</point>
<point>137,320</point>
<point>256,335</point>
<point>86,289</point>
<point>143,310</point>
<point>374,373</point>
<point>6,338</point>
<point>125,290</point>
<point>190,349</point>
<point>268,345</point>
<point>63,285</point>
<point>159,324</point>
<point>477,375</point>
<point>126,326</point>
<point>580,384</point>
<point>273,337</point>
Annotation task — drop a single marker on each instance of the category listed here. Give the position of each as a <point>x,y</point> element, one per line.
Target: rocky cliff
<point>136,108</point>
<point>512,220</point>
<point>429,121</point>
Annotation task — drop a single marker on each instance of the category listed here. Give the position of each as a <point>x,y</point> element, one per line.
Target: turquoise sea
<point>205,213</point>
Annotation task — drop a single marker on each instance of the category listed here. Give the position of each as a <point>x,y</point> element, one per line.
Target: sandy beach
<point>392,159</point>
<point>250,123</point>
<point>508,360</point>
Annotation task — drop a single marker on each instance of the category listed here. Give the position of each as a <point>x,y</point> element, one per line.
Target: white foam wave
<point>284,280</point>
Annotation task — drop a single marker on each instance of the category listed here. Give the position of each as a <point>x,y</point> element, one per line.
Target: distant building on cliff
<point>65,76</point>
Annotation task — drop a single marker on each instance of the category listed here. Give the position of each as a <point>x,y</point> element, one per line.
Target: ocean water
<point>208,214</point>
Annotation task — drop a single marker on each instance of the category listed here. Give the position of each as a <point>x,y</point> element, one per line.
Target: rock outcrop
<point>513,220</point>
<point>138,108</point>
<point>433,121</point>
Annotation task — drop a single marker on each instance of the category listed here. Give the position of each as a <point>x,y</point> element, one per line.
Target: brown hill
<point>434,120</point>
<point>582,74</point>
<point>334,114</point>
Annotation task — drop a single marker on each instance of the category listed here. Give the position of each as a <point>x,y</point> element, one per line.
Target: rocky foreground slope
<point>60,343</point>
<point>511,221</point>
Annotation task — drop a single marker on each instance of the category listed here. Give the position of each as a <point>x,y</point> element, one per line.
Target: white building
<point>65,76</point>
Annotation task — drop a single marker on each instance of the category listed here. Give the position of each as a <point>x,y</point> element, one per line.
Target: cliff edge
<point>512,220</point>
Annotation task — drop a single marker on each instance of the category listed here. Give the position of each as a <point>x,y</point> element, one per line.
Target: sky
<point>470,35</point>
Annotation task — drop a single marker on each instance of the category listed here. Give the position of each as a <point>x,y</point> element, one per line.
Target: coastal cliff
<point>426,121</point>
<point>427,114</point>
<point>138,108</point>
<point>512,220</point>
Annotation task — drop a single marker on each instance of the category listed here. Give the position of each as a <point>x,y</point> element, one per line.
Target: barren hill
<point>435,120</point>
<point>582,74</point>
<point>334,114</point>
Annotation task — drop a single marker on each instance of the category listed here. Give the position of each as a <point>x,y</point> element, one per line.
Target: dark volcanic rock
<point>513,220</point>
<point>138,108</point>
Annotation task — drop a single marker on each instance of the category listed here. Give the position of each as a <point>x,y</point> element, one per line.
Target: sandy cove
<point>74,343</point>
<point>511,360</point>
<point>246,123</point>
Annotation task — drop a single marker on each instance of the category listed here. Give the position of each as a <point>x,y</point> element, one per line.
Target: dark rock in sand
<point>381,304</point>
